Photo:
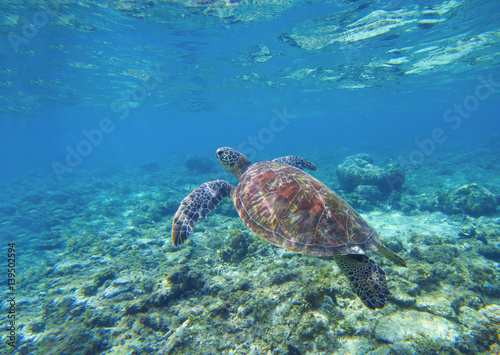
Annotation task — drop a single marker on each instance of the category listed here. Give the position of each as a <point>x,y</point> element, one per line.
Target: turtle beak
<point>219,154</point>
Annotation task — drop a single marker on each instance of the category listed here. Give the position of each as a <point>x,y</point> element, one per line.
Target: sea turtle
<point>283,204</point>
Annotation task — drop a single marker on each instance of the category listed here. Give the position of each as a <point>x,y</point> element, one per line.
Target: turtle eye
<point>219,154</point>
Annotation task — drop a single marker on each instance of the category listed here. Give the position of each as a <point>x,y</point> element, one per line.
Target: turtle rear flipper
<point>366,277</point>
<point>296,162</point>
<point>392,256</point>
<point>197,205</point>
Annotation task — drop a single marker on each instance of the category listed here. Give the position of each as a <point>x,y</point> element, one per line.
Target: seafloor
<point>97,272</point>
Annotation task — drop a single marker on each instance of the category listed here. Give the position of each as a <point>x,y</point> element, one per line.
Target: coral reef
<point>149,166</point>
<point>199,164</point>
<point>364,197</point>
<point>360,169</point>
<point>236,246</point>
<point>102,275</point>
<point>471,199</point>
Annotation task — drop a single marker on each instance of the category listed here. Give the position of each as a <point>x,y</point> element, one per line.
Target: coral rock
<point>471,199</point>
<point>360,170</point>
<point>200,164</point>
<point>490,251</point>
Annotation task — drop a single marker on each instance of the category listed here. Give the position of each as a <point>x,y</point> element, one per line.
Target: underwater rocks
<point>444,253</point>
<point>491,318</point>
<point>99,279</point>
<point>119,289</point>
<point>359,169</point>
<point>364,196</point>
<point>180,279</point>
<point>150,210</point>
<point>103,275</point>
<point>490,251</point>
<point>280,276</point>
<point>411,325</point>
<point>471,199</point>
<point>404,292</point>
<point>199,164</point>
<point>236,247</point>
<point>34,197</point>
<point>438,304</point>
<point>59,197</point>
<point>149,166</point>
<point>483,327</point>
<point>311,324</point>
<point>67,267</point>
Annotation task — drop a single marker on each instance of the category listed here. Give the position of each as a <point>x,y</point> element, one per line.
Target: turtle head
<point>233,161</point>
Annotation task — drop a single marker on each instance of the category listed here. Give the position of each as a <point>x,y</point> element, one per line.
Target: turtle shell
<point>291,209</point>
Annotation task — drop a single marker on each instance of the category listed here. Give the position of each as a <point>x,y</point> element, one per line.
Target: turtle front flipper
<point>296,162</point>
<point>197,205</point>
<point>366,277</point>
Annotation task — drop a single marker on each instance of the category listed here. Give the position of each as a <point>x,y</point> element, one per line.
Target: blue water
<point>65,79</point>
<point>93,86</point>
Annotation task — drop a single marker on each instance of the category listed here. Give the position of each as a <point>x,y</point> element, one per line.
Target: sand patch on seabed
<point>397,225</point>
